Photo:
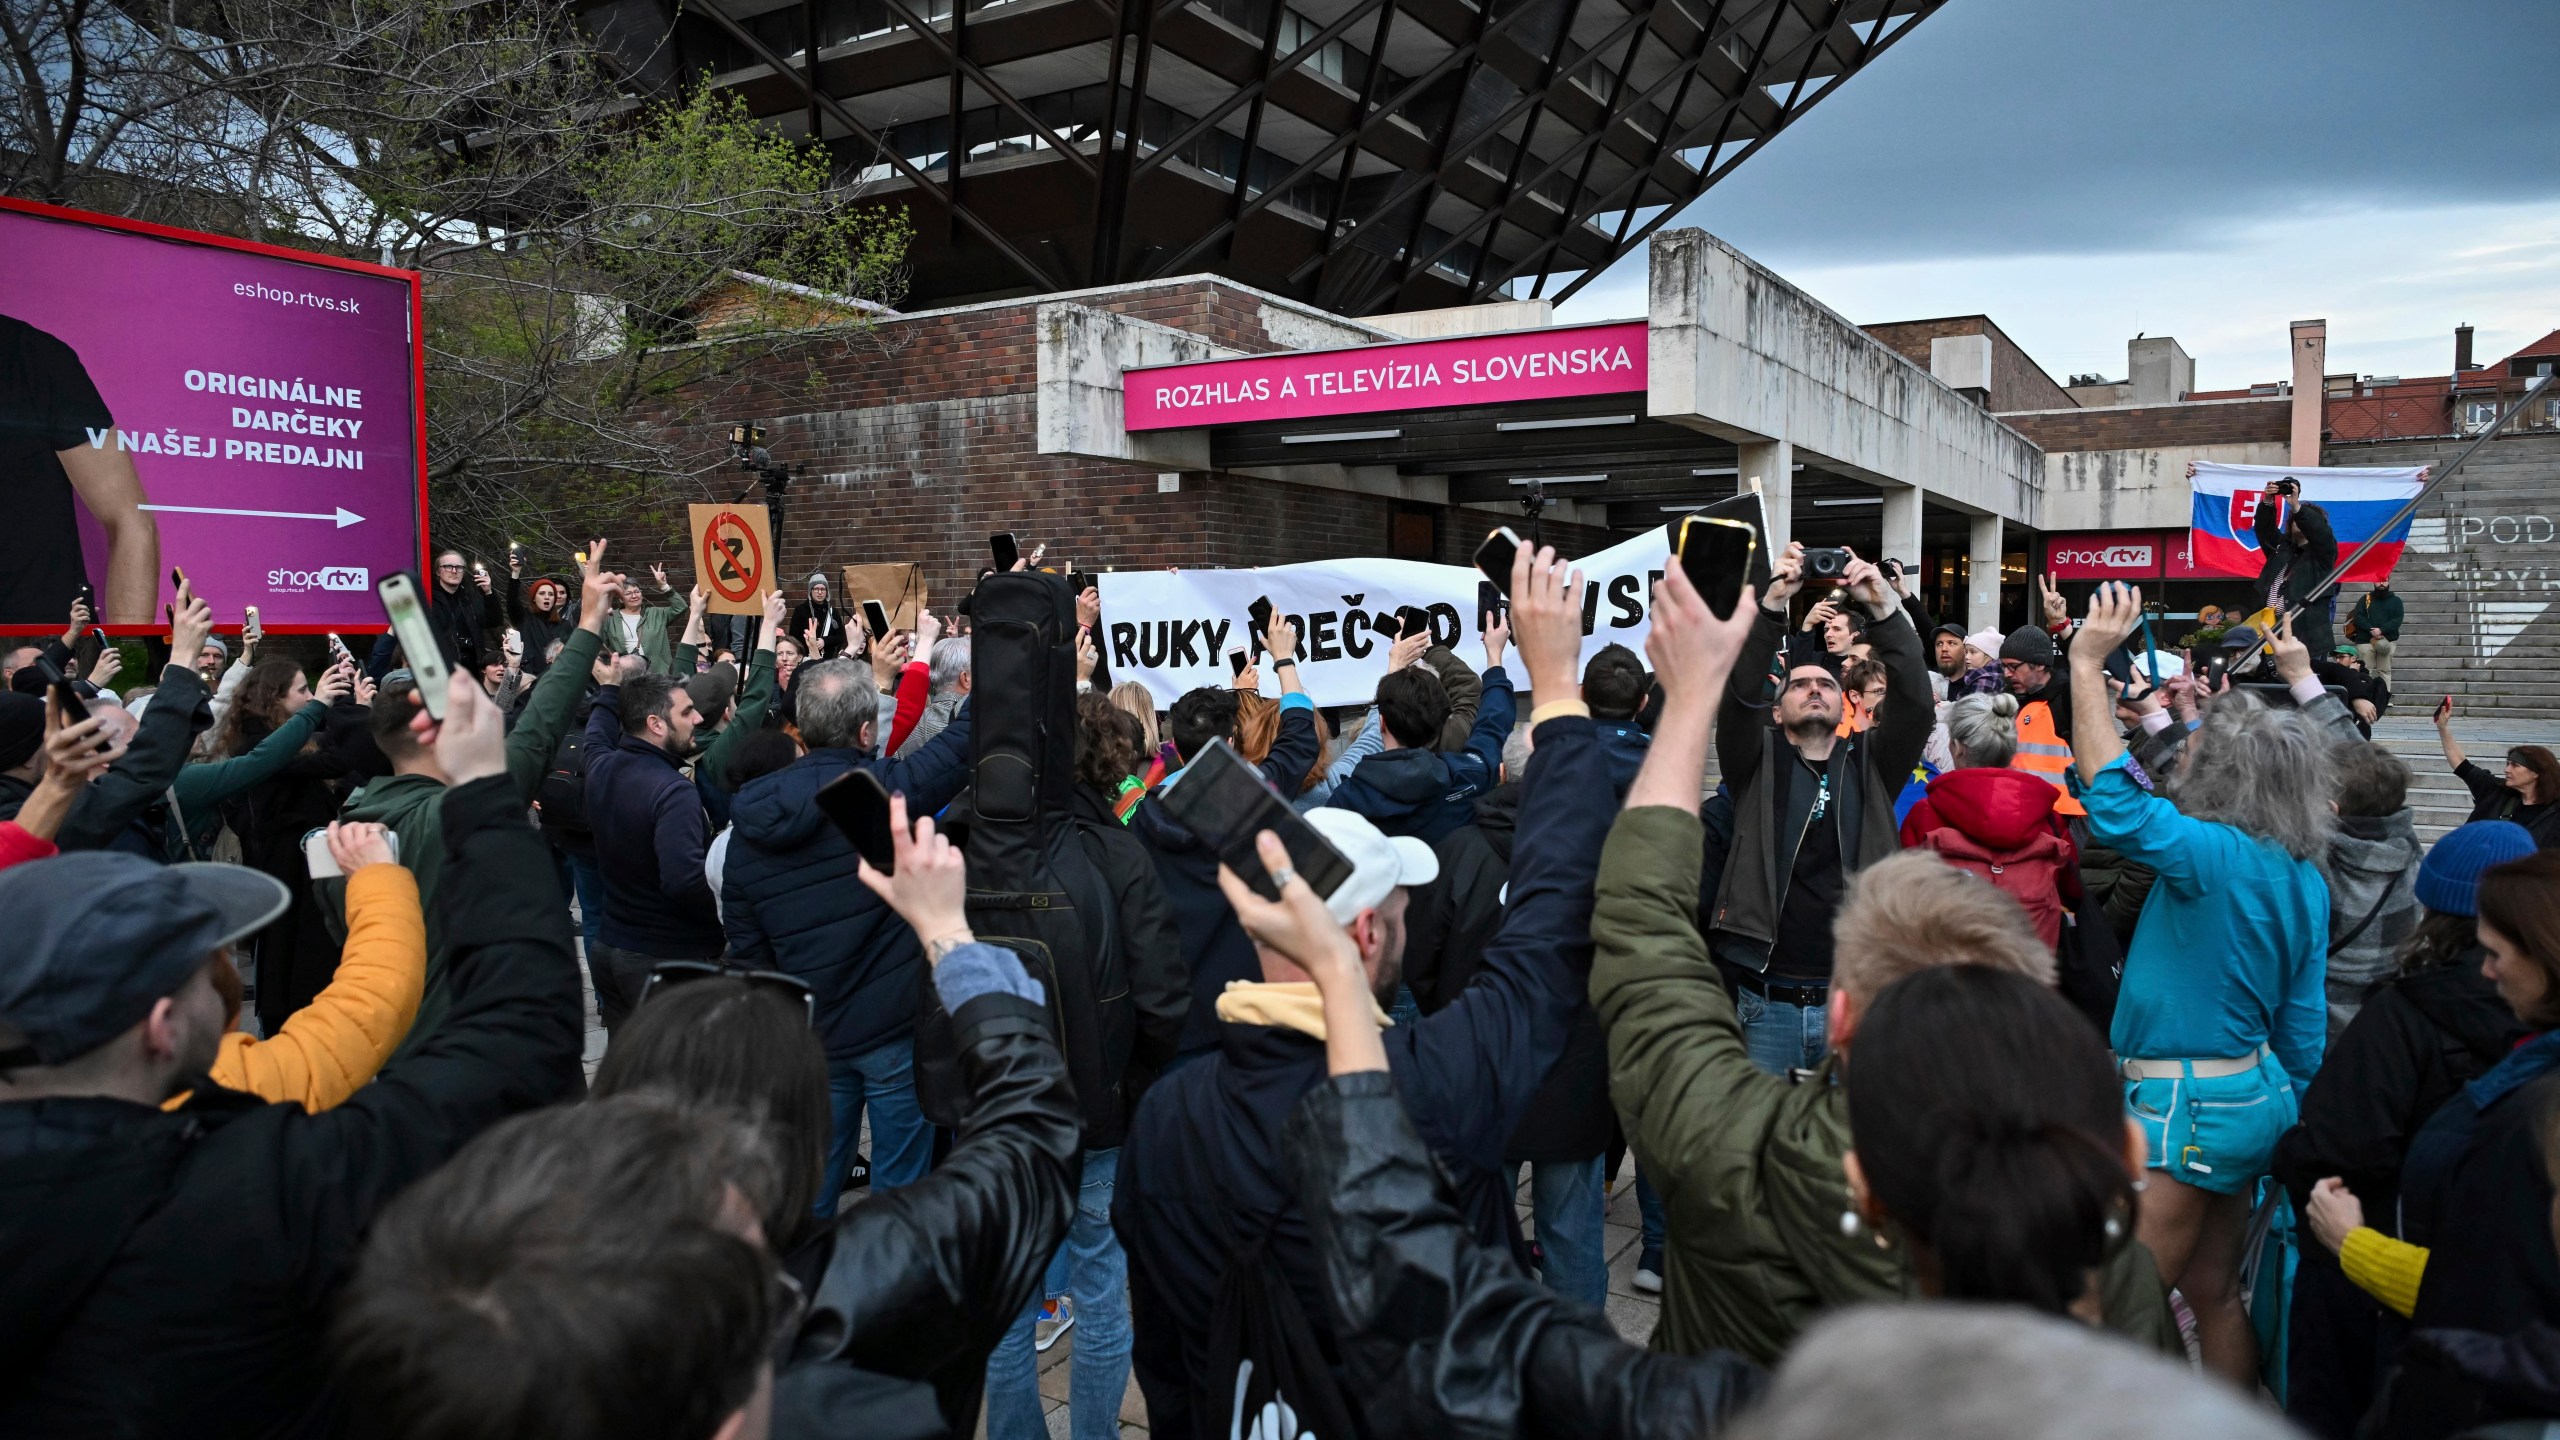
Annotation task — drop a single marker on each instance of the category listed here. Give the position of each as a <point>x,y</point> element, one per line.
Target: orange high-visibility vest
<point>2042,754</point>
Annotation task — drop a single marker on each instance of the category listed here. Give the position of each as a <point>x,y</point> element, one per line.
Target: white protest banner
<point>1170,630</point>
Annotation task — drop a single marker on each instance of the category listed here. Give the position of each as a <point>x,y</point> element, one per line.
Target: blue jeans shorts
<point>2215,1132</point>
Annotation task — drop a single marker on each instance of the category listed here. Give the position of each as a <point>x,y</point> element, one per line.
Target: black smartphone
<point>875,618</point>
<point>1007,552</point>
<point>1259,614</point>
<point>2444,707</point>
<point>1494,557</point>
<point>1489,601</point>
<point>65,694</point>
<point>1079,581</point>
<point>2217,668</point>
<point>1226,802</point>
<point>1715,553</point>
<point>1237,660</point>
<point>1412,620</point>
<point>855,802</point>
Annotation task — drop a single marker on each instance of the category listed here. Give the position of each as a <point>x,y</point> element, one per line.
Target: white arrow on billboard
<point>345,517</point>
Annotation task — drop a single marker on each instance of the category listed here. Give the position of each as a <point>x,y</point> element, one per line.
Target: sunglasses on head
<point>667,974</point>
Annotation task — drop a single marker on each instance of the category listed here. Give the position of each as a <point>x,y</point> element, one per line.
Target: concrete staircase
<point>2481,583</point>
<point>2441,799</point>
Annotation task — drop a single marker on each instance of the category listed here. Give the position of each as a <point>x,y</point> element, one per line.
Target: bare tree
<point>596,264</point>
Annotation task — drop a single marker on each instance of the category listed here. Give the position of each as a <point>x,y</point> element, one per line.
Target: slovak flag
<point>2359,499</point>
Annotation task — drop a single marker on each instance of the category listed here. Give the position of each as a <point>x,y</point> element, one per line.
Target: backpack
<point>1034,886</point>
<point>2031,872</point>
<point>562,797</point>
<point>1265,1376</point>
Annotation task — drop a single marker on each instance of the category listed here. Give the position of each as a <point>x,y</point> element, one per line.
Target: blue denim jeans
<point>1570,1210</point>
<point>1781,1037</point>
<point>1649,1212</point>
<point>1098,1282</point>
<point>882,1079</point>
<point>587,879</point>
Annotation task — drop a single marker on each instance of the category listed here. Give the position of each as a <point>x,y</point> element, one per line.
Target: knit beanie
<point>2449,878</point>
<point>1986,641</point>
<point>2030,645</point>
<point>216,642</point>
<point>21,727</point>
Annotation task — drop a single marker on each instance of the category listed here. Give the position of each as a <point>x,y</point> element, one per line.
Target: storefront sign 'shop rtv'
<point>1550,364</point>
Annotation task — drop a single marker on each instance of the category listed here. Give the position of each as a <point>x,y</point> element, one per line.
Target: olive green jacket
<point>1747,1163</point>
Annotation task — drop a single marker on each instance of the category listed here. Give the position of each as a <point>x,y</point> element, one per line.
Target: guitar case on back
<point>1033,889</point>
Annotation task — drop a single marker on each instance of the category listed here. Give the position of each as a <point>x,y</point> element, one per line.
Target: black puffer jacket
<point>171,1272</point>
<point>922,1281</point>
<point>1444,1336</point>
<point>2418,1039</point>
<point>1447,926</point>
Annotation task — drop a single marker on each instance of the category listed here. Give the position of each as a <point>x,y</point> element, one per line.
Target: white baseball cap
<point>1379,862</point>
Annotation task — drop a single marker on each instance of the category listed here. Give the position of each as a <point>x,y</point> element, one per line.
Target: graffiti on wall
<point>2500,564</point>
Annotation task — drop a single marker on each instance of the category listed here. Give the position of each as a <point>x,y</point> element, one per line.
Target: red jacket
<point>2001,811</point>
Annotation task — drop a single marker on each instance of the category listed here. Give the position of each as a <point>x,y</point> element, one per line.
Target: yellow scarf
<point>1291,1004</point>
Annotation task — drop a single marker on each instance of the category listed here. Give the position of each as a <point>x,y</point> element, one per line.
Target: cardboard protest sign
<point>733,557</point>
<point>899,588</point>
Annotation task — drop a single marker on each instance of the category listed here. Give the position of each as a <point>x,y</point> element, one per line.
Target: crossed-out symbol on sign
<point>732,562</point>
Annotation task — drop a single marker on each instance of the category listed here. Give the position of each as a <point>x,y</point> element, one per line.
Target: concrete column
<point>1772,464</point>
<point>1982,595</point>
<point>1902,525</point>
<point>2310,401</point>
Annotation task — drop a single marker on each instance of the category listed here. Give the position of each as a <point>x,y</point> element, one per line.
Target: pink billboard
<point>1410,375</point>
<point>245,413</point>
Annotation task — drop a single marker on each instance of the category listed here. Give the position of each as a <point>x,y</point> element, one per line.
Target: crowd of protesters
<point>2003,1039</point>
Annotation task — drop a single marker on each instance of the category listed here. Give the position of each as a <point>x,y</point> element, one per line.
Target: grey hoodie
<point>2373,905</point>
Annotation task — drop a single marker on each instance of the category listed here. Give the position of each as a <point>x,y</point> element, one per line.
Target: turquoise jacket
<point>2231,952</point>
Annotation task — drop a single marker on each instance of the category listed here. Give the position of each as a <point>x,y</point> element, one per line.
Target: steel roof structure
<point>1363,155</point>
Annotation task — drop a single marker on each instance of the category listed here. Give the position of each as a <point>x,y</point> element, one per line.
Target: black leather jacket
<point>1448,1338</point>
<point>924,1280</point>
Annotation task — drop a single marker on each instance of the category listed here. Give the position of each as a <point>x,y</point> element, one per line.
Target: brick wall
<point>2215,422</point>
<point>2017,381</point>
<point>918,440</point>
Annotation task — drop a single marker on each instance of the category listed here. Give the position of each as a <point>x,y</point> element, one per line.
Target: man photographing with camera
<point>2300,549</point>
<point>1810,805</point>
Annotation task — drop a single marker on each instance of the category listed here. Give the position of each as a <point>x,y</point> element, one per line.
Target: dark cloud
<point>2002,127</point>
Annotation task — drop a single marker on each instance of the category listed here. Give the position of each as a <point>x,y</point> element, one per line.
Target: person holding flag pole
<point>2390,534</point>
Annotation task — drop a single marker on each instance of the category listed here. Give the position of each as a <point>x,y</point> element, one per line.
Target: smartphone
<point>2217,668</point>
<point>1259,612</point>
<point>1716,553</point>
<point>337,646</point>
<point>67,695</point>
<point>1412,620</point>
<point>1489,601</point>
<point>1079,581</point>
<point>252,614</point>
<point>875,618</point>
<point>323,865</point>
<point>1494,557</point>
<point>1036,552</point>
<point>1226,802</point>
<point>1237,660</point>
<point>1007,552</point>
<point>2444,707</point>
<point>406,608</point>
<point>858,805</point>
<point>177,576</point>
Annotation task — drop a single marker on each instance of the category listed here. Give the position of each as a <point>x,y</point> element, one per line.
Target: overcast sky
<point>2086,170</point>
